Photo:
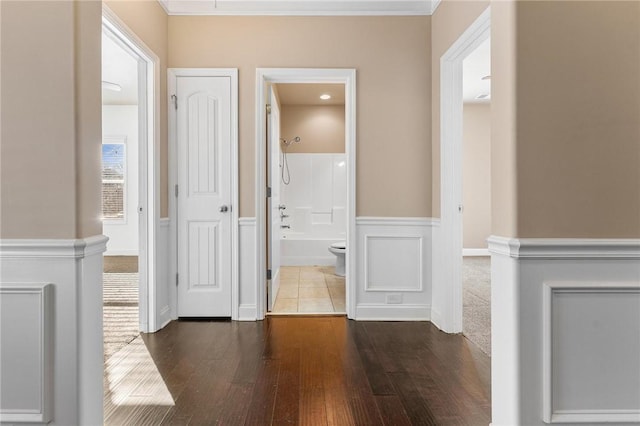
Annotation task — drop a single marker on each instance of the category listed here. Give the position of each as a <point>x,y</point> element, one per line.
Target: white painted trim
<point>448,278</point>
<point>434,5</point>
<point>421,276</point>
<point>247,309</point>
<point>232,73</point>
<point>301,7</point>
<point>44,412</point>
<point>550,415</point>
<point>565,248</point>
<point>50,248</point>
<point>149,164</point>
<point>380,312</point>
<point>305,75</point>
<point>396,221</point>
<point>470,252</point>
<point>121,253</point>
<point>247,313</point>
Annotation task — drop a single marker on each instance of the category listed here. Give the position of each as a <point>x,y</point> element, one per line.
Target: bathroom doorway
<point>306,166</point>
<point>306,126</point>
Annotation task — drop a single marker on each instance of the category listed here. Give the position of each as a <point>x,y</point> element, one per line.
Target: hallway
<point>299,370</point>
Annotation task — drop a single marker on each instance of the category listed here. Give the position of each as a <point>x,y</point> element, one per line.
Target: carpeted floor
<point>120,320</point>
<point>476,301</point>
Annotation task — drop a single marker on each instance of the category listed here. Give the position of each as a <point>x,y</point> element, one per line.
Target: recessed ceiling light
<point>325,97</point>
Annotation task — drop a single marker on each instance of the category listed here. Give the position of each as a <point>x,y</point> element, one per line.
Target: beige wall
<point>51,136</point>
<point>149,21</point>
<point>450,20</point>
<point>476,181</point>
<point>578,119</point>
<point>393,62</point>
<point>503,119</point>
<point>320,127</point>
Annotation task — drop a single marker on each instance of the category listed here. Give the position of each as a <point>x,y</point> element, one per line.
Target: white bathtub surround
<point>565,331</point>
<point>394,268</point>
<point>61,279</point>
<point>316,197</point>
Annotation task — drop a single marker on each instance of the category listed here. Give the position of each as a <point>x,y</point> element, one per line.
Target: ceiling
<point>119,67</point>
<point>299,7</point>
<point>476,66</point>
<point>309,93</point>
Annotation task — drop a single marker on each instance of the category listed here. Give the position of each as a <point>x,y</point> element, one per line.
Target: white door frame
<point>173,74</point>
<point>305,75</point>
<point>149,166</point>
<point>449,280</point>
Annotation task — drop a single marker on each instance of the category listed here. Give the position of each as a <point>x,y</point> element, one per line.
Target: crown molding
<point>300,7</point>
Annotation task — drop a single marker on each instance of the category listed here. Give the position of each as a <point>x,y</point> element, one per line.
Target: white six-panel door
<point>203,131</point>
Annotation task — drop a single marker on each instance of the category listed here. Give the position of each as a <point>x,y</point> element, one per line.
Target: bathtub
<point>301,250</point>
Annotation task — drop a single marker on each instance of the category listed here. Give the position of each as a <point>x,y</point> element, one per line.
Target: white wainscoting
<point>164,284</point>
<point>74,270</point>
<point>26,352</point>
<point>248,286</point>
<point>393,268</point>
<point>565,331</point>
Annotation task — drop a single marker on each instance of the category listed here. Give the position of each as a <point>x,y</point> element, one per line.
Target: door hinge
<point>268,107</point>
<point>268,192</point>
<point>174,99</point>
<point>268,274</point>
<point>176,190</point>
<point>177,278</point>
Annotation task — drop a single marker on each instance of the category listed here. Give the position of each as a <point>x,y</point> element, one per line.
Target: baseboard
<point>436,318</point>
<point>379,312</point>
<point>469,252</point>
<point>247,313</point>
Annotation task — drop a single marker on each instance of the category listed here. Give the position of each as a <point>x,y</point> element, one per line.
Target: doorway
<point>476,196</point>
<point>130,162</point>
<point>306,215</point>
<point>448,267</point>
<point>273,219</point>
<point>203,144</point>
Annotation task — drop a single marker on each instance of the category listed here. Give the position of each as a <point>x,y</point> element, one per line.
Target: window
<point>113,178</point>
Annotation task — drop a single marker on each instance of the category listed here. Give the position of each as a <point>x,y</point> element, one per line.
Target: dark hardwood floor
<point>304,371</point>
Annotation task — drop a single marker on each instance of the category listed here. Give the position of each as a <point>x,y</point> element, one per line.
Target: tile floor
<point>310,290</point>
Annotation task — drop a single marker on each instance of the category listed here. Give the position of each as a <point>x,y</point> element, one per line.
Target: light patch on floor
<point>134,387</point>
<point>121,322</point>
<point>310,290</point>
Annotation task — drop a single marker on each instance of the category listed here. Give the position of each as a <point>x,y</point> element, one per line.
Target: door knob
<point>224,209</point>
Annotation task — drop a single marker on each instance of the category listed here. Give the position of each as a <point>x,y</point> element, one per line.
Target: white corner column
<point>565,324</point>
<point>51,331</point>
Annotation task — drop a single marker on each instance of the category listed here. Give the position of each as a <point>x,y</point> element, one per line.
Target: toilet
<point>339,249</point>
